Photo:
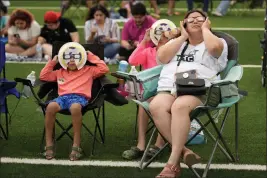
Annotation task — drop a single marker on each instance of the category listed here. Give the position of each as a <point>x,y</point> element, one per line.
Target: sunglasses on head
<point>198,19</point>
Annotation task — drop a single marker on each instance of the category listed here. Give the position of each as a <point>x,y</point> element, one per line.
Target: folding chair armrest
<point>23,81</point>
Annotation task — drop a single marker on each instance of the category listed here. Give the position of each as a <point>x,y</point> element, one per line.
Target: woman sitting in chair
<point>206,55</point>
<point>74,90</point>
<point>99,28</point>
<point>23,32</point>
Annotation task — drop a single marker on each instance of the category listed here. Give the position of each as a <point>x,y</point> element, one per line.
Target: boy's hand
<point>55,59</point>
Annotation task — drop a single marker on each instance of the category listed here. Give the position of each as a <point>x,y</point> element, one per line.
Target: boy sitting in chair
<point>74,90</point>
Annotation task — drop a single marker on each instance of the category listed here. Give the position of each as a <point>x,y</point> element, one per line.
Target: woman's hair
<point>195,10</point>
<point>138,9</point>
<point>93,10</point>
<point>21,14</point>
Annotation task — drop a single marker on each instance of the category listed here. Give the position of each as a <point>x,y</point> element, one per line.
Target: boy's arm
<point>100,69</point>
<point>47,73</point>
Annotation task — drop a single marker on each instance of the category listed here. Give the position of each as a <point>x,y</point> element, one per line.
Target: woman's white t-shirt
<point>26,34</point>
<point>195,58</point>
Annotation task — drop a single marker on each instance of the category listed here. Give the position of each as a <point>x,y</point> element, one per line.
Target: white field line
<point>164,9</point>
<point>33,62</point>
<point>7,160</point>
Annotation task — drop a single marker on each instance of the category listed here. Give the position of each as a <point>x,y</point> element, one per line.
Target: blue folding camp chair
<point>230,96</point>
<point>6,88</point>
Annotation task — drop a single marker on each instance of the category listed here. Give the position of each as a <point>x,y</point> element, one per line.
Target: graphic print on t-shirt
<point>190,57</point>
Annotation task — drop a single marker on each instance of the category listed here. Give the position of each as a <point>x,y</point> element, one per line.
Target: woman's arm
<point>28,43</point>
<point>115,33</point>
<point>166,52</point>
<point>212,42</point>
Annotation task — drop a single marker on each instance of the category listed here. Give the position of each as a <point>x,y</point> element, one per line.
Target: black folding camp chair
<point>101,90</point>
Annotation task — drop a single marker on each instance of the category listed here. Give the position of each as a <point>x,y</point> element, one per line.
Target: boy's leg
<point>50,117</point>
<point>76,113</point>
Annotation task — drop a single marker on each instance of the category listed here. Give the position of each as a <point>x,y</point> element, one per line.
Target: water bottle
<point>39,51</point>
<point>123,66</point>
<point>26,93</point>
<point>200,138</point>
<point>130,85</point>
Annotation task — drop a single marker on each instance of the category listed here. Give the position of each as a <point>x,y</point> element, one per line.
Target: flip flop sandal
<point>76,156</point>
<point>49,155</point>
<point>133,153</point>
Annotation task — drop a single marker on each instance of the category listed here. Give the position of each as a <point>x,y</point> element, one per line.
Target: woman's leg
<point>206,5</point>
<point>223,7</point>
<point>160,108</point>
<point>14,49</point>
<point>111,50</point>
<point>180,124</point>
<point>190,5</point>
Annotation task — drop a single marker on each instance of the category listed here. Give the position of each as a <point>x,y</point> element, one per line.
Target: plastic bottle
<point>39,51</point>
<point>26,93</point>
<point>130,85</point>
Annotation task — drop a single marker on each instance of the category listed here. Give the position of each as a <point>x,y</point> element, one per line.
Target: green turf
<point>23,171</point>
<point>27,124</point>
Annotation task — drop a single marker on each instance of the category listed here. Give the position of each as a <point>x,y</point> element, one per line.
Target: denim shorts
<point>65,101</point>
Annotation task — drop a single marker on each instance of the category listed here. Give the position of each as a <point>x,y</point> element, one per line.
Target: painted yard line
<point>215,28</point>
<point>34,62</point>
<point>7,160</point>
<point>164,9</point>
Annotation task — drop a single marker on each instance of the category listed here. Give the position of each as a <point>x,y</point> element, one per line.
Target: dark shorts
<point>65,101</point>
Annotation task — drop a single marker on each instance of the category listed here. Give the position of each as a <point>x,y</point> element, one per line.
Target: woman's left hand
<point>206,24</point>
<point>107,39</point>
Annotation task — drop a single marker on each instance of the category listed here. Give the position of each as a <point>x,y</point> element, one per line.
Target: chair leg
<point>103,122</point>
<point>64,131</point>
<point>136,121</point>
<point>219,133</point>
<point>97,127</point>
<point>6,114</point>
<point>236,132</point>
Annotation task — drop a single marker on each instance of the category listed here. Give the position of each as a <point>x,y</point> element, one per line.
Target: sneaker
<point>106,60</point>
<point>218,14</point>
<point>112,61</point>
<point>133,153</point>
<point>47,57</point>
<point>11,57</point>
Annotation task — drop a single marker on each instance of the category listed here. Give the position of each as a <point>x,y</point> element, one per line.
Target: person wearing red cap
<point>56,28</point>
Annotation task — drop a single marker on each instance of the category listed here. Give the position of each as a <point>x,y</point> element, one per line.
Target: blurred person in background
<point>99,28</point>
<point>23,32</point>
<point>56,28</point>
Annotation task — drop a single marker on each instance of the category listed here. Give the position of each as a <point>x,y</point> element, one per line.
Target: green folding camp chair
<point>230,96</point>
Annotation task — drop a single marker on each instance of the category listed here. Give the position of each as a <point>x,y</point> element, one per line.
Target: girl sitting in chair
<point>74,90</point>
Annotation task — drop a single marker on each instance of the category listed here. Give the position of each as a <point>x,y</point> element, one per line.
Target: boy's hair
<point>139,9</point>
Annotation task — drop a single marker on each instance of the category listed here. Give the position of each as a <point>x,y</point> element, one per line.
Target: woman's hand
<point>93,30</point>
<point>206,24</point>
<point>184,33</point>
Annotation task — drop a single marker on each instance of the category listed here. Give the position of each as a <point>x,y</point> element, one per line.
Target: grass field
<point>27,123</point>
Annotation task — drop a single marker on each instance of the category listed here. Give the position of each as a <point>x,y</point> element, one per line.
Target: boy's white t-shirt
<point>195,58</point>
<point>26,34</point>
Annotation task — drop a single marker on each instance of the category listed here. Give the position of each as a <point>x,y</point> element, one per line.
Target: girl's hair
<point>21,14</point>
<point>93,10</point>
